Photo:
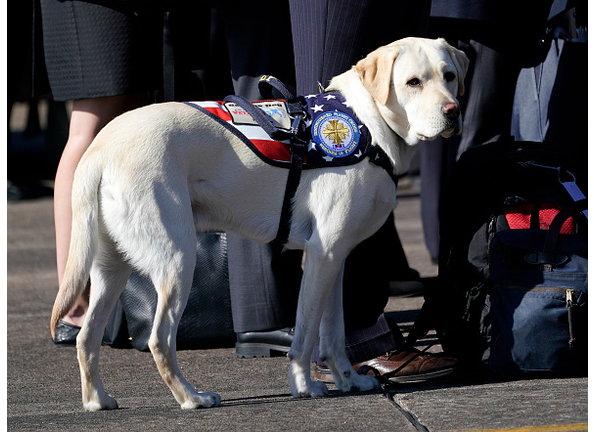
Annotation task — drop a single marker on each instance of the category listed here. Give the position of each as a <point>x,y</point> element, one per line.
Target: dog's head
<point>415,83</point>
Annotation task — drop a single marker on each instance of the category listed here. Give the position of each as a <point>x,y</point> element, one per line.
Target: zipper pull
<point>471,296</point>
<point>569,297</point>
<point>569,302</point>
<point>491,230</point>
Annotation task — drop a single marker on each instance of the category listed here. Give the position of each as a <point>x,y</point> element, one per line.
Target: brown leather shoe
<point>400,366</point>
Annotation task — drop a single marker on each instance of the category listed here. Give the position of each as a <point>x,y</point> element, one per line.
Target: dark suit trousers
<point>328,38</point>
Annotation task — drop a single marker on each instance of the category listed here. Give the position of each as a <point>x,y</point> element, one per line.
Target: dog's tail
<point>84,234</point>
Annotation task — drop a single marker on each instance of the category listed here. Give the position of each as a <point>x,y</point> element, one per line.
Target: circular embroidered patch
<point>335,133</point>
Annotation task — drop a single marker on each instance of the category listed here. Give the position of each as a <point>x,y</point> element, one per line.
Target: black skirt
<point>95,50</point>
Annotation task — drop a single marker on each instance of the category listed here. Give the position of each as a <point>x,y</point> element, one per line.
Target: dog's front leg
<point>319,275</point>
<point>332,345</point>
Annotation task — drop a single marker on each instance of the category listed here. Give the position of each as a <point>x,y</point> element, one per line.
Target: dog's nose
<point>451,110</point>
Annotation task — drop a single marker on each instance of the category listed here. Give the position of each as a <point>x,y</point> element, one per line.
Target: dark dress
<point>94,50</point>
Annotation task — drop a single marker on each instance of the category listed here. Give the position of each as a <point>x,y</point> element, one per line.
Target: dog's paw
<point>301,383</point>
<point>202,400</point>
<point>347,379</point>
<point>313,389</point>
<point>361,383</point>
<point>104,403</point>
<point>306,388</point>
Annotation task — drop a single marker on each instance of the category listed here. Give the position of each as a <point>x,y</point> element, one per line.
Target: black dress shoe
<point>406,284</point>
<point>65,334</point>
<point>264,344</point>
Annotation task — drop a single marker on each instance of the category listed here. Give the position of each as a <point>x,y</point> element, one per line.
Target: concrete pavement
<point>43,384</point>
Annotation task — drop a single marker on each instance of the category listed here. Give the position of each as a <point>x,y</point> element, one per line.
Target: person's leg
<point>263,308</point>
<point>87,118</point>
<point>260,299</point>
<point>259,42</point>
<point>328,38</point>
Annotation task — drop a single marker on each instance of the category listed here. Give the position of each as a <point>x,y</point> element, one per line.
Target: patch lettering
<point>336,134</point>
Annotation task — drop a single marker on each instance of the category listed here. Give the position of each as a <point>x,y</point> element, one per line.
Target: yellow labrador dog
<point>156,175</point>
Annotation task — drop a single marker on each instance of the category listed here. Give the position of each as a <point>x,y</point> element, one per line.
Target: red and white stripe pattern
<point>275,150</point>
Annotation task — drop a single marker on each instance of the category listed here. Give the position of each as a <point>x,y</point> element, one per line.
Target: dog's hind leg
<point>173,282</point>
<point>108,279</point>
<point>332,345</point>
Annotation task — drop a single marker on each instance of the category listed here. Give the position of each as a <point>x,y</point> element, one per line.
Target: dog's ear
<point>461,63</point>
<point>375,71</point>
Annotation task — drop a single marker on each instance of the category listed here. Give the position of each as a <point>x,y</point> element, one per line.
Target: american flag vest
<point>336,138</point>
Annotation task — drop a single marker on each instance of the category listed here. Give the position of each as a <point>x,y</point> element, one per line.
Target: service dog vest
<point>324,123</point>
<point>336,137</point>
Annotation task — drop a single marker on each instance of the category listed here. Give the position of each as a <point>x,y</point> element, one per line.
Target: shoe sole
<point>63,344</point>
<point>327,377</point>
<point>252,350</point>
<point>424,377</point>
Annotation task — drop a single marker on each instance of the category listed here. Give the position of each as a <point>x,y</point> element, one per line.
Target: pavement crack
<point>413,420</point>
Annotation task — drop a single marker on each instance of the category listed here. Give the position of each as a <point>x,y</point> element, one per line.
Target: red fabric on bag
<point>518,217</point>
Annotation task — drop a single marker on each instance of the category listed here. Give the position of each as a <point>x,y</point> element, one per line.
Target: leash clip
<point>299,136</point>
<point>296,124</point>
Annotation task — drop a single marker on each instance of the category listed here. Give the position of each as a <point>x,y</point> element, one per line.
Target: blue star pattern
<point>337,136</point>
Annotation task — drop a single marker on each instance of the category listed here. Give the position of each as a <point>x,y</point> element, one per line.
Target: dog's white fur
<point>156,175</point>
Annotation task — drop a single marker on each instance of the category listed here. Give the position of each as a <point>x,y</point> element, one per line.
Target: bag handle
<point>570,184</point>
<point>535,216</point>
<point>555,228</point>
<point>549,256</point>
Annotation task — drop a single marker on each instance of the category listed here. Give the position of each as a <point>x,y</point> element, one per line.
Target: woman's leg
<point>87,118</point>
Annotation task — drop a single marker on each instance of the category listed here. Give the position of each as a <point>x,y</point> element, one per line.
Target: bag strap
<point>535,214</point>
<point>555,228</point>
<point>568,182</point>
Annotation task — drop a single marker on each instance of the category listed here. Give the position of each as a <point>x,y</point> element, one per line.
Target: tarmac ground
<point>43,385</point>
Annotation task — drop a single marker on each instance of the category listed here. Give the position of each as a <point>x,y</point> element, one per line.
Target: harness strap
<point>297,139</point>
<point>379,157</point>
<point>293,179</point>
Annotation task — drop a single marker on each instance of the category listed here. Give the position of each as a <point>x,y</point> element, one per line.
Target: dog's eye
<point>414,82</point>
<point>449,76</point>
